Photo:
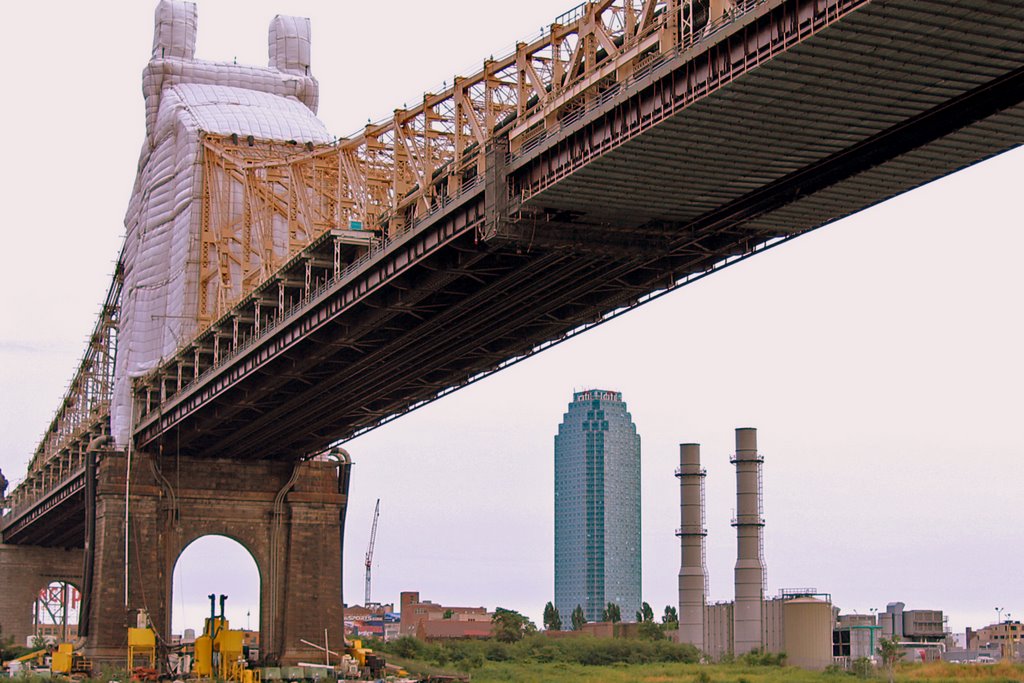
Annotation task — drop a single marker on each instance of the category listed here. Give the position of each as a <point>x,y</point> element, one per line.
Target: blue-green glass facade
<point>597,507</point>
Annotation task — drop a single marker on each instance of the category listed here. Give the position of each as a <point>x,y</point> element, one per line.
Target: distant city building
<point>597,508</point>
<point>367,613</point>
<point>427,620</point>
<point>375,620</point>
<point>1006,638</point>
<point>54,633</point>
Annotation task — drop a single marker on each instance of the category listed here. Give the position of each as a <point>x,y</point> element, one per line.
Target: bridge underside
<point>660,186</point>
<point>57,520</point>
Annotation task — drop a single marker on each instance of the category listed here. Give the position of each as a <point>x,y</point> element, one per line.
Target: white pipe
<point>127,492</point>
<point>317,647</point>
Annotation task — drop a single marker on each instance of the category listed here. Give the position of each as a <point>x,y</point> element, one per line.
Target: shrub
<point>763,659</point>
<point>406,646</point>
<point>861,667</point>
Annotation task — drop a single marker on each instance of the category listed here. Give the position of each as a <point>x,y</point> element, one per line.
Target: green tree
<point>510,626</point>
<point>891,652</point>
<point>611,613</point>
<point>671,616</point>
<point>552,619</point>
<point>645,613</point>
<point>578,618</point>
<point>448,614</point>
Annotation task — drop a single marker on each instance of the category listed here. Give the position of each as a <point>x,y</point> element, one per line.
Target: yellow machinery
<point>202,665</point>
<point>228,646</point>
<point>358,652</point>
<point>372,664</point>
<point>60,662</point>
<point>37,655</point>
<point>242,673</point>
<point>219,650</point>
<point>141,643</point>
<point>66,661</point>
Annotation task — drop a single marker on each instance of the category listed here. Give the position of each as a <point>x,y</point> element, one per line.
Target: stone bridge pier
<point>24,571</point>
<point>289,516</point>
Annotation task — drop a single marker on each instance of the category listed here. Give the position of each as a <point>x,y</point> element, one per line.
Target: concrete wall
<point>24,571</point>
<point>718,630</point>
<point>774,637</point>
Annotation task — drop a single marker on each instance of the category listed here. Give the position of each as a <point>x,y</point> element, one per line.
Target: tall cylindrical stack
<point>749,527</point>
<point>692,570</point>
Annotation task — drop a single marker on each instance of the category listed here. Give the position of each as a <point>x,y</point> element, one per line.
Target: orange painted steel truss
<point>264,201</point>
<point>261,203</point>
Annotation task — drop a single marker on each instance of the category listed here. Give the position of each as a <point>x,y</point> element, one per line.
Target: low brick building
<point>469,621</point>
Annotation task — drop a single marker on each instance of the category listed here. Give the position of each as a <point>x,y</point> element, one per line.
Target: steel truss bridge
<point>634,146</point>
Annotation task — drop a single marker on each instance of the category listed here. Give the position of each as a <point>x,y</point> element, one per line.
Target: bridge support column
<point>287,516</point>
<point>24,571</point>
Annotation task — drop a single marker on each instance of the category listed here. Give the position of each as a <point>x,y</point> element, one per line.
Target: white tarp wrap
<point>175,32</point>
<point>186,99</point>
<point>289,45</point>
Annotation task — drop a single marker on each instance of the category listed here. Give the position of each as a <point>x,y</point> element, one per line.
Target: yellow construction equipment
<point>228,646</point>
<point>141,643</point>
<point>358,652</point>
<point>66,661</point>
<point>202,665</point>
<point>220,650</point>
<point>60,662</point>
<point>37,655</point>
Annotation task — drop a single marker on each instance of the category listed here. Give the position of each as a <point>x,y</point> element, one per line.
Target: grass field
<point>492,672</point>
<point>538,659</point>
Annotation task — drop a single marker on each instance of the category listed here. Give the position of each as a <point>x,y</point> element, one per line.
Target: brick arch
<point>247,538</point>
<point>271,508</point>
<point>185,541</point>
<point>24,570</point>
<point>75,583</point>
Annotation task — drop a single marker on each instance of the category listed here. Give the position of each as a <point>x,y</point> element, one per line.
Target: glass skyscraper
<point>597,508</point>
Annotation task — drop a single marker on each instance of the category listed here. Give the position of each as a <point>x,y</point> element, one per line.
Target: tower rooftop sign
<point>597,395</point>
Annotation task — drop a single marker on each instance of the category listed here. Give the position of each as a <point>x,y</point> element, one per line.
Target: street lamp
<point>999,615</point>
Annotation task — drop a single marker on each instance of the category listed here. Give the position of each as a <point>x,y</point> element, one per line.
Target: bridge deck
<point>660,184</point>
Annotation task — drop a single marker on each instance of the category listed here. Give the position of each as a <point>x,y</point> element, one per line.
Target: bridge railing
<point>84,409</point>
<point>707,34</point>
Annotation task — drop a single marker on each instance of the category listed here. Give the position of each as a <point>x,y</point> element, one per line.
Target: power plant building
<point>597,507</point>
<point>798,622</point>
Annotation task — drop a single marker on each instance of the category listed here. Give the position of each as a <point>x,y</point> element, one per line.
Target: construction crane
<point>369,552</point>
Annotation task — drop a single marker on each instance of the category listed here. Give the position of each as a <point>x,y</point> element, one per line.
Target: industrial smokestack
<point>693,573</point>
<point>749,544</point>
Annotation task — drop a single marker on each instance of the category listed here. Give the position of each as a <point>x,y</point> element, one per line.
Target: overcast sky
<point>880,357</point>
